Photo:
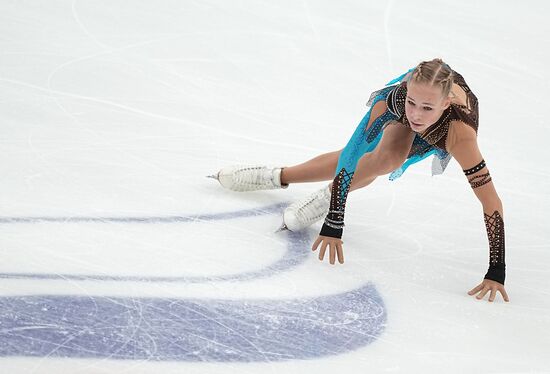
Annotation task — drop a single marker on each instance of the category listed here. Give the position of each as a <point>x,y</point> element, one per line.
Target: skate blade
<point>282,228</point>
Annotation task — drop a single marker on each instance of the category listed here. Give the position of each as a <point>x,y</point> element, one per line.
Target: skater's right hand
<point>335,246</point>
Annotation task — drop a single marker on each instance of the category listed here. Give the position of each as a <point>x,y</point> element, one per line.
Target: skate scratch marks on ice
<point>160,329</point>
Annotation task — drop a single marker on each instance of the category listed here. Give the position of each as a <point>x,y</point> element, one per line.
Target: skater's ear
<point>446,102</point>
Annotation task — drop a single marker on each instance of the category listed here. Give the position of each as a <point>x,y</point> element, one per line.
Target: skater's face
<point>424,105</point>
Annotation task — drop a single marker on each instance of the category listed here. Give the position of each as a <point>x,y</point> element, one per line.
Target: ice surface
<point>118,255</point>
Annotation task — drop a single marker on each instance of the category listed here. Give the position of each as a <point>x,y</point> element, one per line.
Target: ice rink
<point>117,255</point>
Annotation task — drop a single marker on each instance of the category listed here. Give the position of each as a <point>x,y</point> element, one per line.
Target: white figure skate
<point>305,212</point>
<point>249,178</point>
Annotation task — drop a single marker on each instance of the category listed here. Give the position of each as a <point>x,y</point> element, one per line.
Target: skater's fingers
<point>504,294</point>
<point>332,253</point>
<point>483,293</point>
<point>340,252</point>
<point>316,243</point>
<point>475,290</point>
<point>493,294</point>
<point>323,250</point>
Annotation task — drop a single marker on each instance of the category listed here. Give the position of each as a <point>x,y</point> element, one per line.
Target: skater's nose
<point>416,116</point>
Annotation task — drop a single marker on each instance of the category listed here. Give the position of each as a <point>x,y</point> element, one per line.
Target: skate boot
<point>250,178</point>
<point>305,212</point>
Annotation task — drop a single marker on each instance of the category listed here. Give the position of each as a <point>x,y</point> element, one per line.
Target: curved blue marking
<point>296,254</point>
<point>190,329</point>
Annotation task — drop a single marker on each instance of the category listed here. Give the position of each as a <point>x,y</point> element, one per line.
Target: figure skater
<point>430,110</point>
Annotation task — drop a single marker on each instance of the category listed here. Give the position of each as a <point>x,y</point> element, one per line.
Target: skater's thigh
<point>396,139</point>
<point>390,153</point>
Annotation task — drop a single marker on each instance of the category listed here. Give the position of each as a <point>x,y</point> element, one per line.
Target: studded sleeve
<point>465,150</point>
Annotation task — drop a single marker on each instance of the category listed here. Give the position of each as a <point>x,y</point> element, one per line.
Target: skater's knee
<point>362,182</point>
<point>386,162</point>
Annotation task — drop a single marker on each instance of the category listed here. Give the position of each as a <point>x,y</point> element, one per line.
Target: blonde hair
<point>434,73</point>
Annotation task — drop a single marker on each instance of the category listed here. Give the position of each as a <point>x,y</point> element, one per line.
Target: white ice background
<point>121,108</point>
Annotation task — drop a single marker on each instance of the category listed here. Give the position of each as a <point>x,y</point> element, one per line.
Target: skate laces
<point>314,208</point>
<point>254,176</point>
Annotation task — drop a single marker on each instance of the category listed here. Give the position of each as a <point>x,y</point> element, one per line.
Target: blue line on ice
<point>202,330</point>
<point>297,243</point>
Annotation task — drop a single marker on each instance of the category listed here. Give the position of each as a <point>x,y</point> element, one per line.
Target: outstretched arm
<point>463,147</point>
<point>365,138</point>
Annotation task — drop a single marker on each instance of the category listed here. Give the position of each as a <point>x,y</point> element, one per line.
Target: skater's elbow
<point>490,202</point>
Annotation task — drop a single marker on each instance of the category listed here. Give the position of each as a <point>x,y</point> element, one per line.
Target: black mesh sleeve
<point>495,232</point>
<point>334,222</point>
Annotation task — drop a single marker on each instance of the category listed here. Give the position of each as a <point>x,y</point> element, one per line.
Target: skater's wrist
<point>496,273</point>
<point>495,233</point>
<point>332,232</point>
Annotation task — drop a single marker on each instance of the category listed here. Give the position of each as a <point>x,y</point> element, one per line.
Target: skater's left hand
<point>486,286</point>
<point>334,245</point>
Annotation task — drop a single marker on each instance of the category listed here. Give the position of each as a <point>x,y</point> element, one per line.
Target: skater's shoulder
<point>460,134</point>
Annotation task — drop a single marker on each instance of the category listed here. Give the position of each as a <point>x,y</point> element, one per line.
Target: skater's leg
<point>320,168</point>
<point>392,151</point>
<point>357,184</point>
<point>249,178</point>
<point>388,156</point>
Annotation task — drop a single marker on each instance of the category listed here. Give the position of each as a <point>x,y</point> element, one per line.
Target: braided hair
<point>434,73</point>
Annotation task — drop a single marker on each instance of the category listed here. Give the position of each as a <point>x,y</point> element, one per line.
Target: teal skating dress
<point>430,143</point>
